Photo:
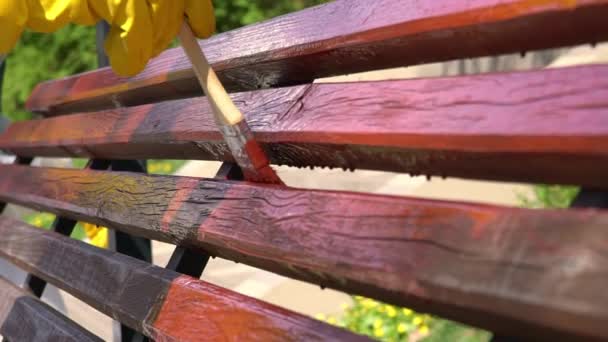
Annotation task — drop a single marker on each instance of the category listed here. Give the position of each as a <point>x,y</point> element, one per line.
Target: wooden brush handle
<point>248,154</point>
<point>226,113</point>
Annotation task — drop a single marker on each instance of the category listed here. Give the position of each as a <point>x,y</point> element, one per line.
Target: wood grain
<point>160,303</point>
<point>548,126</point>
<point>481,265</point>
<point>20,161</point>
<point>25,318</point>
<point>344,36</point>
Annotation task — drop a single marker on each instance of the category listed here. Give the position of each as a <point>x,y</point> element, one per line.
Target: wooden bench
<point>521,273</point>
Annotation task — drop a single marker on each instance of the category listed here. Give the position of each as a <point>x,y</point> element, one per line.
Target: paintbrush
<point>247,153</point>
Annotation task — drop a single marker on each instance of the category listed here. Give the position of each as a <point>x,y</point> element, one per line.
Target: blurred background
<point>40,57</point>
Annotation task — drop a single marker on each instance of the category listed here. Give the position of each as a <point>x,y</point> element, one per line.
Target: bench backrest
<point>520,272</point>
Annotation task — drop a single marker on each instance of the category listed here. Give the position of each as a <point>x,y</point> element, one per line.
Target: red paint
<point>184,187</point>
<point>482,265</point>
<point>261,171</point>
<point>157,302</point>
<point>538,126</point>
<point>356,35</point>
<point>248,154</point>
<point>215,314</point>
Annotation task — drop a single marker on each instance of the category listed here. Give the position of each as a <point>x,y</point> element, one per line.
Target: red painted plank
<point>344,36</point>
<point>547,126</point>
<point>217,318</point>
<point>158,302</point>
<point>24,317</point>
<point>482,265</point>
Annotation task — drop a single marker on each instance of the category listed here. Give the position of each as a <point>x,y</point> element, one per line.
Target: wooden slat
<point>160,303</point>
<point>25,318</point>
<point>20,161</point>
<point>547,126</point>
<point>483,265</point>
<point>344,36</point>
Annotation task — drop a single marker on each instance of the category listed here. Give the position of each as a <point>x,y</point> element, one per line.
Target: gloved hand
<point>140,29</point>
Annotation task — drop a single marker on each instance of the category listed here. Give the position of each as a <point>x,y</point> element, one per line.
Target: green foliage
<point>45,220</point>
<point>549,196</point>
<point>39,57</point>
<point>155,166</point>
<point>444,330</point>
<point>79,163</point>
<point>231,14</point>
<point>389,323</point>
<point>164,167</point>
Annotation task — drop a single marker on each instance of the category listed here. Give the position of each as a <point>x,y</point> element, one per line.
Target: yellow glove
<point>140,29</point>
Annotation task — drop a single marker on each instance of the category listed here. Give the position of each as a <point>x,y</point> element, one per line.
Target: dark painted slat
<point>160,303</point>
<point>191,262</point>
<point>482,265</point>
<point>61,225</point>
<point>123,243</point>
<point>341,37</point>
<point>133,246</point>
<point>25,318</point>
<point>547,126</point>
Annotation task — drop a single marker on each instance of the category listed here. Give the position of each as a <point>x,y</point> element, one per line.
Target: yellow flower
<point>98,236</point>
<point>417,320</point>
<point>377,323</point>
<point>332,320</point>
<point>368,303</point>
<point>344,306</point>
<point>407,312</point>
<point>390,310</point>
<point>38,222</point>
<point>166,167</point>
<point>90,229</point>
<point>320,317</point>
<point>101,238</point>
<point>424,330</point>
<point>379,332</point>
<point>401,328</point>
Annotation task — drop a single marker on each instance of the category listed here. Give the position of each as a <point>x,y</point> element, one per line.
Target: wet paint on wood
<point>482,265</point>
<point>160,303</point>
<point>548,126</point>
<point>344,36</point>
<point>25,318</point>
<point>190,262</point>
